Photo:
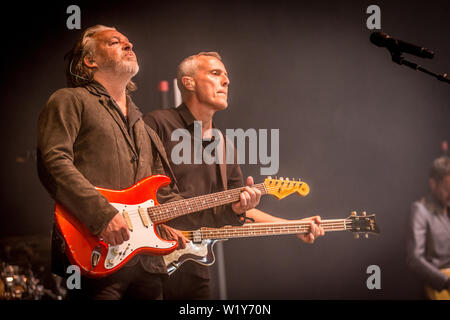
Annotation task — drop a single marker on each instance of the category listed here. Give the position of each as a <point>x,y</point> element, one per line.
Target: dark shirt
<point>428,241</point>
<point>194,179</point>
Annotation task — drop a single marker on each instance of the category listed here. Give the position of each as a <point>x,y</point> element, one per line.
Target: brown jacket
<point>84,141</point>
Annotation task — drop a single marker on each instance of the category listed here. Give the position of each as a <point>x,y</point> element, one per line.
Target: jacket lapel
<point>117,118</point>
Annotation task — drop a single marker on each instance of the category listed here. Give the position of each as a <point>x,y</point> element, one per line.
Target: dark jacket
<point>84,141</point>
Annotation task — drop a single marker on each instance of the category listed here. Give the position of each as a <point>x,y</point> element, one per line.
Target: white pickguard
<point>196,249</point>
<point>140,237</point>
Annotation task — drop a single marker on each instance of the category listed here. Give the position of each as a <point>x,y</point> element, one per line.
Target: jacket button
<point>133,158</point>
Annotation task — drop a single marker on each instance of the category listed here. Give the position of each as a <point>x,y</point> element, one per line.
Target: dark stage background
<point>359,129</point>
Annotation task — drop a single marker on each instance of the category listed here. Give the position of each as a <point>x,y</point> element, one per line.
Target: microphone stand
<point>398,58</point>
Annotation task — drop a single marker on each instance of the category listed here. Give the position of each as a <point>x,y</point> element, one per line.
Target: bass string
<point>250,230</point>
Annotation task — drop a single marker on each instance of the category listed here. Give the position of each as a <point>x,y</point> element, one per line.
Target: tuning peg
<point>366,235</point>
<point>353,213</point>
<point>356,235</point>
<point>281,178</point>
<point>269,177</point>
<point>364,213</point>
<point>287,179</point>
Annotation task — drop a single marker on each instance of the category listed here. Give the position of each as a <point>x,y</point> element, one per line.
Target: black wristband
<point>243,218</point>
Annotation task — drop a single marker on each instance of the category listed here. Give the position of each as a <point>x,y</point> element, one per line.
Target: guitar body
<point>94,257</point>
<point>438,295</point>
<point>201,253</point>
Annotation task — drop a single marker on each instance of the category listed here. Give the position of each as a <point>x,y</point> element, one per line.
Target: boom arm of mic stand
<point>397,58</point>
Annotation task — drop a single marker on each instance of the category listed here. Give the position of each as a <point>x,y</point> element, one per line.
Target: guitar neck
<point>265,229</point>
<point>175,209</point>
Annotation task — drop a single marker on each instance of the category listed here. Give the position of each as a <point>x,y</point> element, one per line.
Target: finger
<point>163,232</point>
<point>125,234</point>
<point>322,231</point>
<point>182,242</point>
<point>258,195</point>
<point>248,197</point>
<point>301,236</point>
<point>111,240</point>
<point>317,231</point>
<point>243,201</point>
<point>252,195</point>
<point>249,181</point>
<point>306,238</point>
<point>315,219</point>
<point>118,238</point>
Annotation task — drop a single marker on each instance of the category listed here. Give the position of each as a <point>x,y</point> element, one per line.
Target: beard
<point>130,67</point>
<point>120,66</point>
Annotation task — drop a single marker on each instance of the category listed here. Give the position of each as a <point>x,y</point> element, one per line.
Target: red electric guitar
<point>142,213</point>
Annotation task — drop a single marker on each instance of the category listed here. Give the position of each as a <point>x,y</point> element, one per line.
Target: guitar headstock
<point>280,187</point>
<point>363,224</point>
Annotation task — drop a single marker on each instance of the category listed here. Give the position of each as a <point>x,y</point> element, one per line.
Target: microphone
<point>382,39</point>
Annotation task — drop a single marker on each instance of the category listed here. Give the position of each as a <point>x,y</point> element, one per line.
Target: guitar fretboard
<point>265,229</point>
<point>167,211</point>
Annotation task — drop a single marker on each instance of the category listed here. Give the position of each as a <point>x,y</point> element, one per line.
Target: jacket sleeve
<point>58,128</point>
<point>416,246</point>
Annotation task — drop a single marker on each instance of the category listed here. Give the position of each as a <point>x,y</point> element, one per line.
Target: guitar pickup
<point>197,236</point>
<point>95,256</point>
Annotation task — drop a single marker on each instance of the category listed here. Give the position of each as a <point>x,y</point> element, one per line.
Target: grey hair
<point>77,73</point>
<point>188,67</point>
<point>440,168</point>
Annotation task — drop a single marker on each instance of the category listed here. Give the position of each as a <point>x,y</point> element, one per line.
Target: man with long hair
<point>92,135</point>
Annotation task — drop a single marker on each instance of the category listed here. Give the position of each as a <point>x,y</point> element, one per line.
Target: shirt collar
<point>134,113</point>
<point>187,116</point>
<point>96,88</point>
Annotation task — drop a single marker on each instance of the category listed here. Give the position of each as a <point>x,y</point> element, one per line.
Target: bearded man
<point>92,135</point>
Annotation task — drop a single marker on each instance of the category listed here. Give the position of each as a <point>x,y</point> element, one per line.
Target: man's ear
<point>89,61</point>
<point>188,83</point>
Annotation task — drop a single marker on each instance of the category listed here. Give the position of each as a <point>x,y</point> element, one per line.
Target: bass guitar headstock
<point>281,188</point>
<point>363,224</point>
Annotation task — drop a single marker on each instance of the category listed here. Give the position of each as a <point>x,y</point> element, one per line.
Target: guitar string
<point>190,205</point>
<point>187,205</point>
<point>195,205</point>
<point>251,230</point>
<point>272,227</point>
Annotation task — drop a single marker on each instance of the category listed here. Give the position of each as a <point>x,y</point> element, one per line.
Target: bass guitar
<point>141,211</point>
<point>200,247</point>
